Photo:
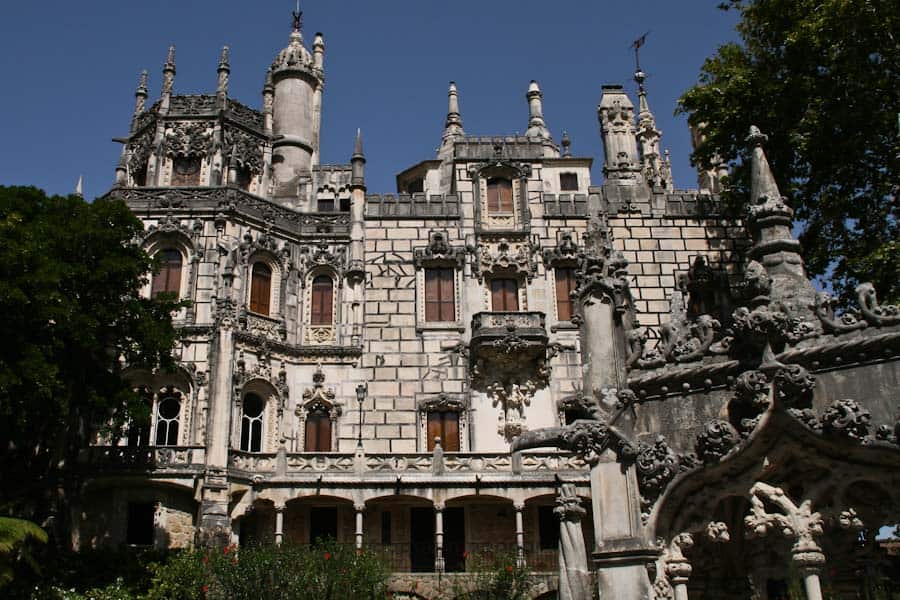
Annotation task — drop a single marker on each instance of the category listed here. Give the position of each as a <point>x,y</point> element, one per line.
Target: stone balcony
<point>163,459</point>
<point>501,337</point>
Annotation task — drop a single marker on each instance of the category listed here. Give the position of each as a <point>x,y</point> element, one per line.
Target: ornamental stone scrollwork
<point>443,402</point>
<point>587,439</point>
<point>831,322</point>
<point>262,369</point>
<point>565,252</point>
<point>579,405</point>
<point>706,289</point>
<point>715,441</point>
<point>323,255</point>
<point>439,250</point>
<point>187,139</point>
<point>603,273</point>
<point>318,399</point>
<point>139,150</point>
<point>873,312</point>
<point>242,148</point>
<point>656,465</point>
<point>512,397</point>
<point>846,418</point>
<point>507,257</point>
<point>192,104</point>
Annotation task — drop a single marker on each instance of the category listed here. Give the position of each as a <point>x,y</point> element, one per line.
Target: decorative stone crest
<point>874,313</point>
<point>831,323</point>
<point>187,139</point>
<point>318,396</point>
<point>846,418</point>
<point>716,440</point>
<point>439,250</point>
<point>242,149</point>
<point>443,402</point>
<point>507,257</point>
<point>323,255</point>
<point>587,439</point>
<point>656,466</point>
<point>565,252</point>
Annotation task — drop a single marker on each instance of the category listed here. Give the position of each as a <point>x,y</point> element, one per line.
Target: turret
<point>140,99</point>
<point>453,126</point>
<point>616,115</point>
<point>297,82</point>
<point>358,163</point>
<point>536,125</point>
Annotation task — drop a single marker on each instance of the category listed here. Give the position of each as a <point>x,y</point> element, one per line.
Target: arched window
<point>318,430</point>
<point>168,411</point>
<point>251,424</point>
<point>168,279</point>
<point>499,195</point>
<point>186,171</point>
<point>321,312</point>
<point>260,288</point>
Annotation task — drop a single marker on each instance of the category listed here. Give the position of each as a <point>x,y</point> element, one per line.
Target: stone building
<point>619,384</point>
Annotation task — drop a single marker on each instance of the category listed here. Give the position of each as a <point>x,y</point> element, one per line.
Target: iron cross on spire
<point>298,17</point>
<point>638,74</point>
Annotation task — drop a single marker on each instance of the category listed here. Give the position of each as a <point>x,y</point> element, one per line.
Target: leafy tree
<point>14,536</point>
<point>70,279</point>
<point>822,79</point>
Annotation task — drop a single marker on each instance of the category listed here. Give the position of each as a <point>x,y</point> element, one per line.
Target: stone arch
<point>272,401</point>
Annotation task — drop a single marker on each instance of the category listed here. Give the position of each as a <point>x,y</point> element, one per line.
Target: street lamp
<point>361,391</point>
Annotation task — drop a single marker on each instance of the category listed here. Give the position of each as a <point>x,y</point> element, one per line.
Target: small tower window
<point>499,195</point>
<point>244,177</point>
<point>186,171</point>
<point>260,288</point>
<point>326,204</point>
<point>416,186</point>
<point>565,285</point>
<point>251,423</point>
<point>504,294</point>
<point>440,302</point>
<point>444,425</point>
<point>168,278</point>
<point>568,182</point>
<point>322,301</point>
<point>167,414</point>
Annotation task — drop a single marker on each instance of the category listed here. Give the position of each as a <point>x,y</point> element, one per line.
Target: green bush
<point>494,577</point>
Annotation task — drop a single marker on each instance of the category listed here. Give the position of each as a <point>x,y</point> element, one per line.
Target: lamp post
<point>361,391</point>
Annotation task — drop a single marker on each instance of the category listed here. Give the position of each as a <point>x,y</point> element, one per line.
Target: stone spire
<point>319,50</point>
<point>223,72</point>
<point>453,126</point>
<point>358,162</point>
<point>79,187</point>
<point>268,93</point>
<point>648,137</point>
<point>769,220</point>
<point>140,99</point>
<point>168,80</point>
<point>536,125</point>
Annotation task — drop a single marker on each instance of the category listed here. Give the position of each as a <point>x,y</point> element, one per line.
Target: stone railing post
<point>520,535</point>
<point>359,508</point>
<point>439,538</point>
<point>279,524</point>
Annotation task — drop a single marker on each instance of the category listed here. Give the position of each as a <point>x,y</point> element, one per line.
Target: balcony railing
<point>160,458</point>
<point>500,337</point>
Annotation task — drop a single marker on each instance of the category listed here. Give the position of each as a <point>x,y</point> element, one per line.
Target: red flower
<point>234,560</point>
<point>465,554</point>
<point>226,549</point>
<point>205,588</point>
<point>327,556</point>
<point>509,568</point>
<point>205,558</point>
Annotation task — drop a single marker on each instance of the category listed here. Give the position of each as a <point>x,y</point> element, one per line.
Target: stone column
<point>520,535</point>
<point>574,576</point>
<point>359,508</point>
<point>678,568</point>
<point>439,538</point>
<point>279,524</point>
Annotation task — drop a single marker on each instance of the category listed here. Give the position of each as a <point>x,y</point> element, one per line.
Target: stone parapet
<point>415,206</point>
<point>565,205</point>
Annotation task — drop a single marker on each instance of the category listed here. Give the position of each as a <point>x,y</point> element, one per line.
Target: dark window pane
<point>326,204</point>
<point>548,528</point>
<point>385,528</point>
<point>186,171</point>
<point>568,182</point>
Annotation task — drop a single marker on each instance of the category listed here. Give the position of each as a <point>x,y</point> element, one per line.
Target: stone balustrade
<point>157,458</point>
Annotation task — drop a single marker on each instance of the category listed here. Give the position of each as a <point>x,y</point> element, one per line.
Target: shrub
<point>494,577</point>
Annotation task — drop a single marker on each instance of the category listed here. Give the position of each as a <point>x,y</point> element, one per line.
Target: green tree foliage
<point>493,576</point>
<point>822,79</point>
<point>70,279</point>
<point>14,537</point>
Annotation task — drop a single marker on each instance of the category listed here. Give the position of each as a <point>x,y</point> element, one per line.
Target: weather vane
<point>298,17</point>
<point>636,44</point>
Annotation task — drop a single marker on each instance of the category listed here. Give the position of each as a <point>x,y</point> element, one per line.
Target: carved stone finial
<point>566,143</point>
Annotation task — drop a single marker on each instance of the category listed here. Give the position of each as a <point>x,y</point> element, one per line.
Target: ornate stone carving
<point>323,255</point>
<point>513,397</point>
<point>186,139</point>
<point>574,575</point>
<point>715,441</point>
<point>603,272</point>
<point>846,418</point>
<point>656,466</point>
<point>507,257</point>
<point>565,251</point>
<point>578,404</point>
<point>874,313</point>
<point>443,402</point>
<point>242,148</point>
<point>825,311</point>
<point>586,439</point>
<point>139,150</point>
<point>706,289</point>
<point>439,250</point>
<point>751,398</point>
<point>794,386</point>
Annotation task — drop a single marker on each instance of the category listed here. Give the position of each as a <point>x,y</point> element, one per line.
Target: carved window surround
<point>439,253</point>
<point>170,233</point>
<point>184,385</point>
<point>271,388</point>
<point>562,256</point>
<point>443,402</point>
<point>321,334</point>
<point>518,174</point>
<point>318,397</point>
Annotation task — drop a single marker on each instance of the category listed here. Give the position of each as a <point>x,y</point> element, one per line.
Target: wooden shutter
<point>260,288</point>
<point>440,297</point>
<point>450,439</point>
<point>499,195</point>
<point>318,432</point>
<point>504,295</point>
<point>565,284</point>
<point>322,300</point>
<point>168,279</point>
<point>568,182</point>
<point>324,436</point>
<point>435,429</point>
<point>311,439</point>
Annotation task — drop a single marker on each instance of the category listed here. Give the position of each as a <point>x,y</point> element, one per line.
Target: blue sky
<point>69,70</point>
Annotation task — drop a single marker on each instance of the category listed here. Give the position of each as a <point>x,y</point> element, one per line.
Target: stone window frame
<point>155,384</point>
<point>318,397</point>
<point>521,280</point>
<point>159,241</point>
<point>518,175</point>
<point>563,255</point>
<point>439,254</point>
<point>442,402</point>
<point>244,419</point>
<point>321,334</point>
<point>157,393</point>
<point>271,400</point>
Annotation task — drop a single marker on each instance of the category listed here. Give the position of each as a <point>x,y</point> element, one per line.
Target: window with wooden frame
<point>504,294</point>
<point>565,285</point>
<point>499,195</point>
<point>168,412</point>
<point>260,288</point>
<point>317,435</point>
<point>168,279</point>
<point>322,309</point>
<point>440,294</point>
<point>568,182</point>
<point>186,171</point>
<point>252,423</point>
<point>443,425</point>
